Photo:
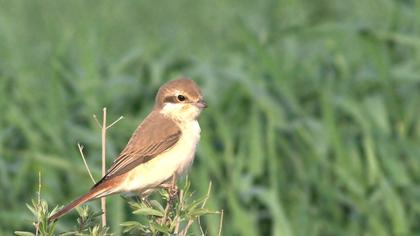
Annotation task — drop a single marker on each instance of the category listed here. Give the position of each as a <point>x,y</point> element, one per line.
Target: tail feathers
<point>94,193</point>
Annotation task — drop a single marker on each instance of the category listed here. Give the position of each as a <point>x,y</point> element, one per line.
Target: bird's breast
<point>161,168</point>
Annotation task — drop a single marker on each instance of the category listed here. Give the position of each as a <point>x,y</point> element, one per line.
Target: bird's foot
<point>171,188</point>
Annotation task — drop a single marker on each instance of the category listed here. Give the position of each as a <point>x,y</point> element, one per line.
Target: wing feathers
<point>155,135</point>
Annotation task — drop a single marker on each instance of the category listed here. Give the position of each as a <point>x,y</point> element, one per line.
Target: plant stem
<point>84,162</point>
<point>220,223</point>
<point>104,127</point>
<point>171,196</point>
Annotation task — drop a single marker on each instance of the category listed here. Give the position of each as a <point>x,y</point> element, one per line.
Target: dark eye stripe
<point>170,99</point>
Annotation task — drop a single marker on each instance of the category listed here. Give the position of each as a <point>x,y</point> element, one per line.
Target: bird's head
<point>180,99</point>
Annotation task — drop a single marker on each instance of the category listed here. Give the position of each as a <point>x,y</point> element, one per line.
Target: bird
<point>161,148</point>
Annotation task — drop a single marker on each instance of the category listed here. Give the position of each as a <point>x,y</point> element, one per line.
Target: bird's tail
<point>95,192</point>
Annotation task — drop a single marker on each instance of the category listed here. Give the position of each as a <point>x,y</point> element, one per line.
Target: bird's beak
<point>201,104</point>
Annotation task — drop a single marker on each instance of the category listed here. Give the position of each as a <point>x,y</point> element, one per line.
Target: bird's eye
<point>181,98</point>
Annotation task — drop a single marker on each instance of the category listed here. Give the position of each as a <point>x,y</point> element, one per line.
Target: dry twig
<point>36,224</point>
<point>221,223</point>
<point>84,161</point>
<point>202,206</point>
<point>103,127</point>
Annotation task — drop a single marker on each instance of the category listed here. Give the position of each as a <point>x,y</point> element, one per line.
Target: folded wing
<point>155,135</point>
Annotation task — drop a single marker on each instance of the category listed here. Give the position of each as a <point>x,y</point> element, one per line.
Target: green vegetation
<point>173,213</point>
<point>313,120</point>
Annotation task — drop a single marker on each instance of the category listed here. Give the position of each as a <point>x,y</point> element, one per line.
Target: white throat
<point>182,112</point>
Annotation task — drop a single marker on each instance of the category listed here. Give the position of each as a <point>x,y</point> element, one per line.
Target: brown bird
<point>162,146</point>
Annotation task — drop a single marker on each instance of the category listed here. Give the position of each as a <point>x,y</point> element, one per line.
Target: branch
<point>97,121</point>
<point>103,127</point>
<point>181,206</point>
<point>202,206</point>
<point>113,123</point>
<point>84,161</point>
<point>221,223</point>
<point>36,224</point>
<point>185,231</point>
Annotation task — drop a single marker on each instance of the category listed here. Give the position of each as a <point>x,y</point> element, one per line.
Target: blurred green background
<point>313,119</point>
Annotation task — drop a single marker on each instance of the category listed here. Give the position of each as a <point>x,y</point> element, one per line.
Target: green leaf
<point>69,233</point>
<point>32,209</point>
<point>160,228</point>
<point>24,233</point>
<point>148,212</point>
<point>129,223</point>
<point>156,204</point>
<point>200,211</point>
<point>196,203</point>
<point>133,226</point>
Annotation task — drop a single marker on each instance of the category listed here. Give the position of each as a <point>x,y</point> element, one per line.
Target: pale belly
<point>176,160</point>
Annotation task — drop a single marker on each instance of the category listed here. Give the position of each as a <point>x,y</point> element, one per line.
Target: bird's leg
<point>171,187</point>
<point>146,201</point>
<point>138,198</point>
<point>143,196</point>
